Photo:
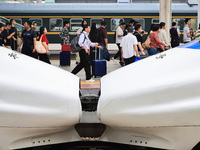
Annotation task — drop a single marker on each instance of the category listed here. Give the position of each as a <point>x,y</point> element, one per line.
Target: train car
<point>154,102</point>
<point>52,16</point>
<point>39,103</point>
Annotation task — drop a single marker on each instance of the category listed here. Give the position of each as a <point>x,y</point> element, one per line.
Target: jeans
<point>101,52</point>
<point>152,51</point>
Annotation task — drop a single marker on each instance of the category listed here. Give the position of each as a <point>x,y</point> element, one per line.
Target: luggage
<point>137,59</point>
<point>66,47</point>
<point>64,58</point>
<point>75,47</point>
<point>99,67</point>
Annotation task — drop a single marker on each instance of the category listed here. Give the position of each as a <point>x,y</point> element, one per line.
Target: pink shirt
<point>155,42</point>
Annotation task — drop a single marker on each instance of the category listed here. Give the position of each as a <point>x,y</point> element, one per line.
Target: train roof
<point>93,8</point>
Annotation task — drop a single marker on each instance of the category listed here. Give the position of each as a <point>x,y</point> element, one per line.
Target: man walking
<point>175,35</point>
<point>137,33</point>
<point>186,31</point>
<point>129,48</point>
<point>64,34</point>
<point>85,44</point>
<point>7,37</point>
<point>119,36</point>
<point>29,41</point>
<point>103,39</point>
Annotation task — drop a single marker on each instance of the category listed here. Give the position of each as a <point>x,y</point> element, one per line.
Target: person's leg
<point>132,59</point>
<point>44,58</point>
<point>86,65</point>
<point>152,51</point>
<point>126,61</point>
<point>80,65</point>
<point>102,51</point>
<point>119,52</point>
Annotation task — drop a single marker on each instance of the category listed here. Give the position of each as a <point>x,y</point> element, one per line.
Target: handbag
<point>146,44</point>
<point>39,47</point>
<point>106,55</point>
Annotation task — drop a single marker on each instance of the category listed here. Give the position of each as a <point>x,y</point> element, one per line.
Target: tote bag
<point>39,47</point>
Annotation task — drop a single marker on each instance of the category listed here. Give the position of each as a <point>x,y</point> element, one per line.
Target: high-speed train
<point>53,16</point>
<point>155,102</point>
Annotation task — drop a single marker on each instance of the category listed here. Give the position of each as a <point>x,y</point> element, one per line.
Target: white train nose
<point>34,94</point>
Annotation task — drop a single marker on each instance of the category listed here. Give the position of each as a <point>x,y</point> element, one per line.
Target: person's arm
<point>20,43</point>
<point>12,34</point>
<point>122,54</point>
<point>106,42</point>
<point>158,41</point>
<point>141,49</point>
<point>136,50</point>
<point>34,42</point>
<point>188,33</point>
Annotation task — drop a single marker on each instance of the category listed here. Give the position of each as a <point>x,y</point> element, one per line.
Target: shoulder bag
<point>39,47</point>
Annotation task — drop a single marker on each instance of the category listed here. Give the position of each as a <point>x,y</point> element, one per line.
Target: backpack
<point>75,47</point>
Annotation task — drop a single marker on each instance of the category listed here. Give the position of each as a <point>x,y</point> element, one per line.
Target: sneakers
<point>91,80</point>
<point>115,60</point>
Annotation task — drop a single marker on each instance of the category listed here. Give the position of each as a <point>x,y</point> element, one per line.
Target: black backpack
<point>75,47</point>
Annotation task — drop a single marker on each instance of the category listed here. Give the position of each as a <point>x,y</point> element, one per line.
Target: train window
<point>141,21</point>
<point>180,23</point>
<point>75,23</point>
<point>55,24</point>
<point>38,21</point>
<point>115,23</point>
<point>97,21</point>
<point>194,24</point>
<point>155,21</point>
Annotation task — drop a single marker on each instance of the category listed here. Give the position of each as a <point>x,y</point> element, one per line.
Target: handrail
<point>18,26</point>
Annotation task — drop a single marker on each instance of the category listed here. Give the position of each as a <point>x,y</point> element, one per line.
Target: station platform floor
<point>111,66</point>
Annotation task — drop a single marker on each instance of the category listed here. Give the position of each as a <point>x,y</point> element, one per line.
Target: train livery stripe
<point>96,17</point>
<point>50,33</point>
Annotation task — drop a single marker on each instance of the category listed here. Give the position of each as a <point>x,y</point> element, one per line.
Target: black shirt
<point>28,37</point>
<point>6,34</point>
<point>1,39</point>
<point>139,38</point>
<point>13,29</point>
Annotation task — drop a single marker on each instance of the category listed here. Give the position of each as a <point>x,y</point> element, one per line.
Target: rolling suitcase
<point>99,67</point>
<point>66,47</point>
<point>64,58</point>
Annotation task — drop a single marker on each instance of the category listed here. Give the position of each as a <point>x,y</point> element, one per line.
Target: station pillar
<point>165,14</point>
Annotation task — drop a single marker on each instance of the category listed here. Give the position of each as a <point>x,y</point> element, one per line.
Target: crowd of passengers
<point>128,37</point>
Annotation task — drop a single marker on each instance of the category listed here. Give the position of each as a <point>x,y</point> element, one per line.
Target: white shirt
<point>186,30</point>
<point>127,45</point>
<point>85,41</point>
<point>119,31</point>
<point>163,36</point>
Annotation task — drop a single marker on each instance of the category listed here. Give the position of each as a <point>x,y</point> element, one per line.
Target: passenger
<point>94,34</point>
<point>192,34</point>
<point>29,41</point>
<point>14,37</point>
<point>129,48</point>
<point>155,42</point>
<point>85,44</point>
<point>175,35</point>
<point>64,34</point>
<point>137,33</point>
<point>34,27</point>
<point>7,37</point>
<point>80,30</point>
<point>45,43</point>
<point>151,29</point>
<point>103,38</point>
<point>1,35</point>
<point>125,31</point>
<point>163,35</point>
<point>119,36</point>
<point>186,31</point>
<point>132,24</point>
